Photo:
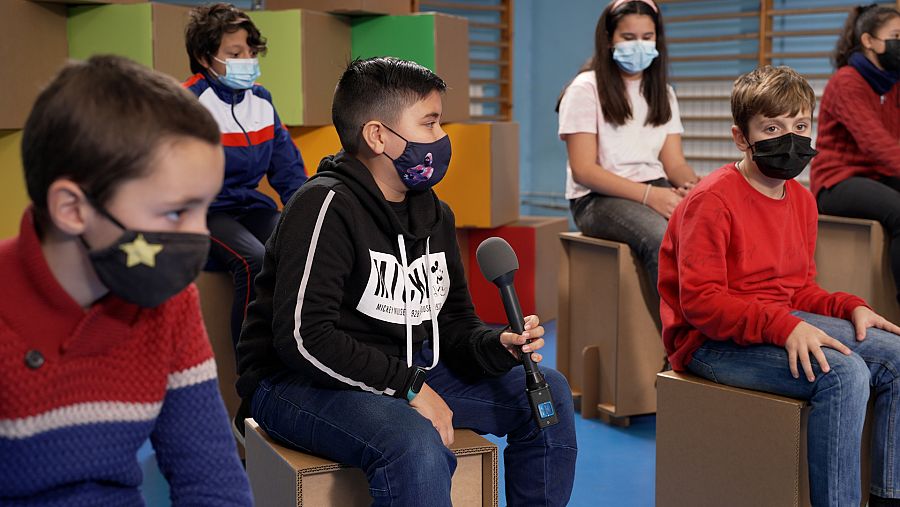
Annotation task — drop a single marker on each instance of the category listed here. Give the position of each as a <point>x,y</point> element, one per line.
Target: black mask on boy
<point>147,268</point>
<point>783,157</point>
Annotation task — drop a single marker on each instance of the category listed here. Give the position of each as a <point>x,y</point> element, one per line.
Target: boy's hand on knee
<point>807,339</point>
<point>864,318</point>
<point>530,340</point>
<point>431,406</point>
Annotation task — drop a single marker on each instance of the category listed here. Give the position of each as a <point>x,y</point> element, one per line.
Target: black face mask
<point>783,157</point>
<point>147,268</point>
<point>890,59</point>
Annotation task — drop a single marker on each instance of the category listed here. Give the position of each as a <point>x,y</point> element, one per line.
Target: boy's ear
<point>739,139</point>
<point>203,60</point>
<point>67,207</point>
<point>373,134</point>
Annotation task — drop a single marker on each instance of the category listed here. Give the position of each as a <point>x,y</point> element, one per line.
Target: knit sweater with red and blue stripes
<point>82,390</point>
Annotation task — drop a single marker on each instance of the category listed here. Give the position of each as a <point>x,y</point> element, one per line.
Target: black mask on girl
<point>783,157</point>
<point>890,59</point>
<point>147,268</point>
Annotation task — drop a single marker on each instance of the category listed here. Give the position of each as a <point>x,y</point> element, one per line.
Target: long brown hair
<point>610,86</point>
<point>862,19</point>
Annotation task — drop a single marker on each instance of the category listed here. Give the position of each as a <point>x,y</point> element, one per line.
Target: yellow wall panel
<point>13,196</point>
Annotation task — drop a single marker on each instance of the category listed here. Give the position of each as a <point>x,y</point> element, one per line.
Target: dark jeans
<point>238,242</point>
<point>625,221</point>
<point>872,199</point>
<point>400,451</point>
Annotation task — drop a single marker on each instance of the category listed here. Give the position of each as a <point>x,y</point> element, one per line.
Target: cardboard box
<point>315,144</point>
<point>719,445</point>
<point>307,53</point>
<point>149,33</point>
<point>869,275</point>
<point>482,184</point>
<point>281,477</point>
<point>216,294</point>
<point>13,195</point>
<point>608,339</point>
<point>437,41</point>
<point>33,45</point>
<point>536,243</point>
<point>348,7</point>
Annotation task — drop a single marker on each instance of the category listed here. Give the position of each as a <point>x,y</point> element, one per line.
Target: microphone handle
<point>517,325</point>
<point>536,388</point>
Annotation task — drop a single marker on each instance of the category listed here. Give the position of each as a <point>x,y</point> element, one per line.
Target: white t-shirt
<point>630,150</point>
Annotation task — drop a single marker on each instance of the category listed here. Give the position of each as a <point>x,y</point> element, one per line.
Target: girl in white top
<point>619,119</point>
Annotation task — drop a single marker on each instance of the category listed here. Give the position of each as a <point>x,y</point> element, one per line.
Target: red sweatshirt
<point>859,131</point>
<point>734,264</point>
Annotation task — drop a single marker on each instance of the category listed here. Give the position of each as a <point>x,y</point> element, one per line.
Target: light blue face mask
<point>635,56</point>
<point>240,73</point>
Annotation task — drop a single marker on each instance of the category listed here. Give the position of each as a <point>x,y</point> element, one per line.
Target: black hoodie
<point>329,300</point>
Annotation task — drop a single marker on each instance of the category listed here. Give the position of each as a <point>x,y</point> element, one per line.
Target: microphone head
<point>496,258</point>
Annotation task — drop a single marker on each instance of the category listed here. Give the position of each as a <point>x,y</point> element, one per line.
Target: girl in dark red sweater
<point>857,172</point>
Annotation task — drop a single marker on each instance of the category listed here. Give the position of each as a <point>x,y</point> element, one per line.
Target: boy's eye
<point>175,216</point>
<point>801,127</point>
<point>771,128</point>
<point>431,124</point>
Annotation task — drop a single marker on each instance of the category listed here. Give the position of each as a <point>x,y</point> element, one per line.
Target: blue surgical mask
<point>422,165</point>
<point>240,73</point>
<point>635,56</point>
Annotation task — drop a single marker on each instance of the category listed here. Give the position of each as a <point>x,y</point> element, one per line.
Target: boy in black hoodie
<point>362,344</point>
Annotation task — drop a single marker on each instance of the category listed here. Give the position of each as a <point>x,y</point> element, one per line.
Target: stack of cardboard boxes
<point>310,42</point>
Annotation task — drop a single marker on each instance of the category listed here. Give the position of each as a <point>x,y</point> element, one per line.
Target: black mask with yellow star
<point>147,268</point>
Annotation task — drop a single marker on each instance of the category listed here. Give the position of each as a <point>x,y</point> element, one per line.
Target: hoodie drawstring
<point>409,339</point>
<point>435,332</point>
<point>435,329</point>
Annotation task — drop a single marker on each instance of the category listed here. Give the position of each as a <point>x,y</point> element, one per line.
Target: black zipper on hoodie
<point>233,103</point>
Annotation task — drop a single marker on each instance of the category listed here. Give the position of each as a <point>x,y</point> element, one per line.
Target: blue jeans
<point>625,221</point>
<point>838,402</point>
<point>400,451</point>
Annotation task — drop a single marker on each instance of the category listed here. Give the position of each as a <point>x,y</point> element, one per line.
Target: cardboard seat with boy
<point>362,345</point>
<point>740,304</point>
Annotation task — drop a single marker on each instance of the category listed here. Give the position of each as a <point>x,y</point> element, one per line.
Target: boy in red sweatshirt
<point>740,304</point>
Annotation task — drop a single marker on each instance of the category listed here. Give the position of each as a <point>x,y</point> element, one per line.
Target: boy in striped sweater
<point>102,344</point>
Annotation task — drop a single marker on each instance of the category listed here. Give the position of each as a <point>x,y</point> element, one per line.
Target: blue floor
<point>616,466</point>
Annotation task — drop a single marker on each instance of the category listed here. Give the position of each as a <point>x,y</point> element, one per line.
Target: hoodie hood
<point>425,214</point>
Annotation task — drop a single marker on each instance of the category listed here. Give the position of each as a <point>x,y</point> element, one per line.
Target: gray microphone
<point>498,263</point>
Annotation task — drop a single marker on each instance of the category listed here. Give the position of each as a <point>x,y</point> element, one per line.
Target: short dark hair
<point>771,92</point>
<point>99,123</point>
<point>208,23</point>
<point>379,88</point>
